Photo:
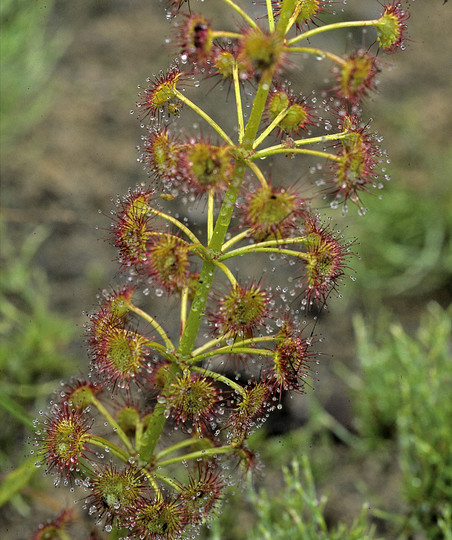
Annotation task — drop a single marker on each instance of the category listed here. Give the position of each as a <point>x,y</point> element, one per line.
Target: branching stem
<point>112,448</point>
<point>119,432</point>
<point>177,223</point>
<point>154,325</point>
<point>328,27</point>
<point>199,454</point>
<point>203,115</point>
<point>218,377</point>
<point>242,13</point>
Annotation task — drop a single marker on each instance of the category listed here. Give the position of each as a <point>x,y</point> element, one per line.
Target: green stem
<point>172,483</point>
<point>212,343</point>
<point>152,434</point>
<point>162,349</point>
<point>183,308</point>
<point>277,244</point>
<point>235,239</point>
<point>293,18</point>
<point>238,102</point>
<point>114,450</point>
<point>305,151</point>
<point>119,432</point>
<point>177,223</point>
<point>225,34</point>
<point>199,454</point>
<point>203,115</point>
<point>207,272</point>
<point>281,148</point>
<point>220,378</point>
<point>279,251</point>
<point>287,10</point>
<point>151,478</point>
<point>154,324</point>
<point>226,272</point>
<point>319,52</point>
<point>270,128</point>
<point>229,350</point>
<point>259,174</point>
<point>138,433</point>
<point>271,19</point>
<point>256,112</point>
<point>177,446</point>
<point>210,207</point>
<point>328,27</point>
<point>157,421</point>
<point>242,13</point>
<point>187,341</point>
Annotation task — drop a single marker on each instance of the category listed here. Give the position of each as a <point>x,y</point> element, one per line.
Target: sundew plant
<point>158,429</point>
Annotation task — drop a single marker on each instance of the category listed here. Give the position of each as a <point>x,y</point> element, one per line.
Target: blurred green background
<point>376,429</point>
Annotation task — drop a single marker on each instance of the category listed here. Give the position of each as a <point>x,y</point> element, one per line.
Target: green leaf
<point>16,410</point>
<point>17,479</point>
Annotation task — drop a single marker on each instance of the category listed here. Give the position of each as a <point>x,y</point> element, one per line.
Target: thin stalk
<point>138,433</point>
<point>195,455</point>
<point>270,128</point>
<point>151,478</point>
<point>113,448</point>
<point>270,150</point>
<point>287,9</point>
<point>242,13</point>
<point>268,243</point>
<point>119,432</point>
<point>227,349</point>
<point>271,19</point>
<point>236,239</point>
<point>212,343</point>
<point>231,350</point>
<point>172,483</point>
<point>293,18</point>
<point>210,207</point>
<point>203,115</point>
<point>276,244</point>
<point>319,52</point>
<point>225,34</point>
<point>290,252</point>
<point>177,446</point>
<point>282,251</point>
<point>316,153</point>
<point>154,324</point>
<point>261,339</point>
<point>238,102</point>
<point>259,174</point>
<point>162,349</point>
<point>220,378</point>
<point>183,308</point>
<point>177,223</point>
<point>226,272</point>
<point>328,27</point>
